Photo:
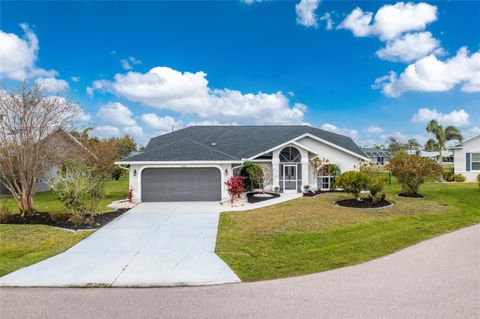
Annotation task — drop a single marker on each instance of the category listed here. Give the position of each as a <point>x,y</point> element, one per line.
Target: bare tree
<point>27,118</point>
<point>266,176</point>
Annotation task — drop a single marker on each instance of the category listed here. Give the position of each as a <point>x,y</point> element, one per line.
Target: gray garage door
<point>181,184</point>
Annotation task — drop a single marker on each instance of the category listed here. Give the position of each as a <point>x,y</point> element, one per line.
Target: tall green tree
<point>441,137</point>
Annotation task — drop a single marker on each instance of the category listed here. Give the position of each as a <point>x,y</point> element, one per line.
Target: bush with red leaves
<point>235,186</point>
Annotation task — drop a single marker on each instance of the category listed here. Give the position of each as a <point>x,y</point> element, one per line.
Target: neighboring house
<point>447,156</point>
<point>192,164</point>
<point>467,158</point>
<point>65,146</point>
<point>378,156</point>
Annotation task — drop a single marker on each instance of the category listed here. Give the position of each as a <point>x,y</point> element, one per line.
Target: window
<point>475,161</point>
<point>324,182</point>
<point>290,155</point>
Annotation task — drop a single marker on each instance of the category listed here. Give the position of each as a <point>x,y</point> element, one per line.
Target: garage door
<point>181,184</point>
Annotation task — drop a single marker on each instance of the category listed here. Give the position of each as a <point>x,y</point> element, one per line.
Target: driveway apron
<point>153,244</point>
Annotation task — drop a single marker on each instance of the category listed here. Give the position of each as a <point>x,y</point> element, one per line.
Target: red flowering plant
<point>130,194</point>
<point>235,186</point>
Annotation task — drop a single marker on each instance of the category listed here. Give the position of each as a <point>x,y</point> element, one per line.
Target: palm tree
<point>442,136</point>
<point>413,145</point>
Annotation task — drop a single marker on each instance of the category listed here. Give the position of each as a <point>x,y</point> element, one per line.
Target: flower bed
<point>364,203</point>
<point>256,197</point>
<point>61,220</point>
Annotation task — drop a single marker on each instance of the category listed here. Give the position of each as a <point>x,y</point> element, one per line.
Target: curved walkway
<point>438,278</point>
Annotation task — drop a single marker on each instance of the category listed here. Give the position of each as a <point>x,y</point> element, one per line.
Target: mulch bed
<point>48,219</point>
<point>410,195</point>
<point>364,203</point>
<point>316,193</point>
<point>254,199</point>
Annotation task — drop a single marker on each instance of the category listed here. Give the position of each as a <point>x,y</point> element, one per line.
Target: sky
<point>364,69</point>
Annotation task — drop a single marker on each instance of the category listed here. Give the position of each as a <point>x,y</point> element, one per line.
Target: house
<point>193,163</point>
<point>378,156</point>
<point>466,158</point>
<point>447,156</point>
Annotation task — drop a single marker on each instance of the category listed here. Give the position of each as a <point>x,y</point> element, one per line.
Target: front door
<point>290,178</point>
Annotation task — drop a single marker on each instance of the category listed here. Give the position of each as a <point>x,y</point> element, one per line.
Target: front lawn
<point>48,202</point>
<point>24,245</point>
<point>310,235</point>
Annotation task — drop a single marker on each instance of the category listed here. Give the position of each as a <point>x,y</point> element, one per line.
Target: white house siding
<point>459,159</point>
<point>134,181</point>
<point>345,161</point>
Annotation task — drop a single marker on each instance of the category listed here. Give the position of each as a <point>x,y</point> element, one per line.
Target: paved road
<point>158,244</point>
<point>438,278</point>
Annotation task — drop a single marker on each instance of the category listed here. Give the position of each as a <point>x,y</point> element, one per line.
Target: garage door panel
<point>181,184</point>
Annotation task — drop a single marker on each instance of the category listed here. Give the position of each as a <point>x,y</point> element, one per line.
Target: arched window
<point>290,155</point>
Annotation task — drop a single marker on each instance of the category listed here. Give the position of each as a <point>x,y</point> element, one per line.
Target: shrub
<point>117,173</point>
<point>235,187</point>
<point>478,179</point>
<point>251,172</point>
<point>352,182</point>
<point>375,187</point>
<point>79,189</point>
<point>130,194</point>
<point>458,178</point>
<point>447,174</point>
<point>412,171</point>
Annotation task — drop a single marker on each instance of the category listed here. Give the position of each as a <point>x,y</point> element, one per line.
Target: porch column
<point>275,172</point>
<point>305,177</point>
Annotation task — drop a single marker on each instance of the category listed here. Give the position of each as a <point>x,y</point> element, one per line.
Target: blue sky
<point>264,62</point>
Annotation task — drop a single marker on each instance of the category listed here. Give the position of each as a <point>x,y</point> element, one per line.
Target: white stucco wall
<point>459,159</point>
<point>135,181</point>
<point>345,161</point>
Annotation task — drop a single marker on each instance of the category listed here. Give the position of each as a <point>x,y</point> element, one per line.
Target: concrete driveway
<point>438,278</point>
<point>153,244</point>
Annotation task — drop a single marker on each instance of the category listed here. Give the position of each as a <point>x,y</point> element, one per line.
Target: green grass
<point>309,235</point>
<point>23,245</point>
<point>48,202</point>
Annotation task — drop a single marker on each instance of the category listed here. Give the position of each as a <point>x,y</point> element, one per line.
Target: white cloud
<point>251,1</point>
<point>410,47</point>
<point>390,21</point>
<point>75,78</point>
<point>305,10</point>
<point>52,84</point>
<point>471,132</point>
<point>104,131</point>
<point>89,91</point>
<point>189,93</point>
<point>374,129</point>
<point>456,117</point>
<point>116,114</point>
<point>398,135</point>
<point>165,123</point>
<point>344,131</point>
<point>327,17</point>
<point>127,63</point>
<point>432,75</point>
<point>135,131</point>
<point>19,55</point>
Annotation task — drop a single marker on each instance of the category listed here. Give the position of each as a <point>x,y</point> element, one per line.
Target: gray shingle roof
<point>183,149</point>
<point>231,142</point>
